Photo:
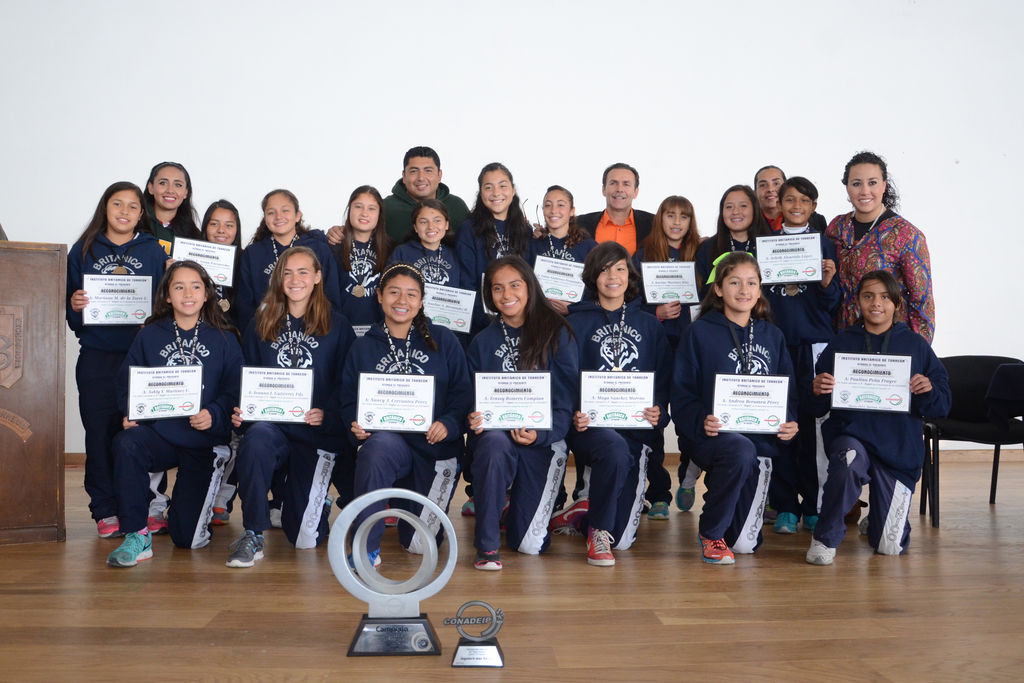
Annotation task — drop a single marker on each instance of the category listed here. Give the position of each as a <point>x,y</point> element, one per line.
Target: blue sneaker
<point>134,548</point>
<point>658,511</point>
<point>809,522</point>
<point>372,555</point>
<point>786,523</point>
<point>685,498</point>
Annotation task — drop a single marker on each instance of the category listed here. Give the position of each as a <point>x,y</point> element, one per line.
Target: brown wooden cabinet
<point>32,298</point>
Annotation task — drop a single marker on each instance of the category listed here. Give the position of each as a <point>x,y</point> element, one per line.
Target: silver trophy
<point>393,624</point>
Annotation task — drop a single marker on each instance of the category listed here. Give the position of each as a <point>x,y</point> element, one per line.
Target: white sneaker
<point>275,517</point>
<point>819,553</point>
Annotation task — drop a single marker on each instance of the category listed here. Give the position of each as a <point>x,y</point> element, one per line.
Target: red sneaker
<point>109,527</point>
<point>716,551</point>
<point>599,548</point>
<point>568,522</point>
<point>156,525</point>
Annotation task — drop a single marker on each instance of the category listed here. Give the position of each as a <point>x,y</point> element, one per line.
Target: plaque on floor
<point>478,650</point>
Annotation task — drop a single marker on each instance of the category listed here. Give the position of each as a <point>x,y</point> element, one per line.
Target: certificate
<point>789,258</point>
<point>117,299</point>
<point>751,403</point>
<point>665,282</point>
<point>395,403</point>
<point>449,307</point>
<point>514,400</point>
<point>275,394</point>
<point>617,399</point>
<point>217,259</point>
<point>171,391</point>
<point>562,280</point>
<point>868,381</point>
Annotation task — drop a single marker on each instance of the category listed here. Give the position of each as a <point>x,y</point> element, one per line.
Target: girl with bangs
<point>117,241</point>
<point>295,327</point>
<point>280,229</point>
<point>674,237</point>
<point>429,246</point>
<point>733,335</point>
<point>363,254</point>
<point>561,238</point>
<point>523,466</point>
<point>186,328</point>
<point>405,342</point>
<point>169,204</point>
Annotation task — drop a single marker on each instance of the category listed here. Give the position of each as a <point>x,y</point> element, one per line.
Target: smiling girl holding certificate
<point>617,336</point>
<point>732,336</point>
<point>187,328</point>
<point>562,238</point>
<point>295,328</point>
<point>527,464</point>
<point>881,448</point>
<point>406,343</point>
<point>117,241</point>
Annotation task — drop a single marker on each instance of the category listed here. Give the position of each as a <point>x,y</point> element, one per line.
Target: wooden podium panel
<point>33,278</point>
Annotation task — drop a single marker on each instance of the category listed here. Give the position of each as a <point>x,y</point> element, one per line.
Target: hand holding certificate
<point>751,404</point>
<point>670,281</point>
<point>514,400</point>
<point>617,399</point>
<point>217,259</point>
<point>395,403</point>
<point>449,307</point>
<point>163,392</point>
<point>561,280</point>
<point>790,258</point>
<point>117,299</point>
<point>275,394</point>
<point>867,381</point>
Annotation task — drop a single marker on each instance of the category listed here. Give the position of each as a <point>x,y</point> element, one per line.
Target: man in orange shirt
<point>619,222</point>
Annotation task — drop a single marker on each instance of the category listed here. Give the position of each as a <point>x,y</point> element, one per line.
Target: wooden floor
<point>952,608</point>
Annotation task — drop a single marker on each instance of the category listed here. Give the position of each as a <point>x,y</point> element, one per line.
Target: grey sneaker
<point>246,550</point>
<point>275,517</point>
<point>819,553</point>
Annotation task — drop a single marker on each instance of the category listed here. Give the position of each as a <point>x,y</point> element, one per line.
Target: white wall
<point>321,97</point>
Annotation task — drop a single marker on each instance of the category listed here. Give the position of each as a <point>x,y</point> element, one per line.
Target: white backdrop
<point>321,97</point>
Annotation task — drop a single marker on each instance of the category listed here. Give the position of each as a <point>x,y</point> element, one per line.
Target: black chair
<point>968,420</point>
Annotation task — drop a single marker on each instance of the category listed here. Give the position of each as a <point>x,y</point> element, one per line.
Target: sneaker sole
<point>112,534</point>
<point>141,557</point>
<point>724,560</point>
<point>601,563</point>
<point>819,560</point>
<point>658,516</point>
<point>785,530</point>
<point>487,566</point>
<point>242,563</point>
<point>159,532</point>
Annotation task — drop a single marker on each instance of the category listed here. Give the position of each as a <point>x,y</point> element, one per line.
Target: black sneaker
<point>488,561</point>
<point>246,550</point>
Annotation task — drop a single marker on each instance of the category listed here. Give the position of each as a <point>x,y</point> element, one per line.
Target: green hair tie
<point>714,264</point>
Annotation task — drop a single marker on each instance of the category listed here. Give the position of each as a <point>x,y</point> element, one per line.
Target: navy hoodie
<point>708,349</point>
<point>675,328</point>
<point>474,257</point>
<point>221,357</point>
<point>541,246</point>
<point>258,263</point>
<point>488,352</point>
<point>893,438</point>
<point>806,317</point>
<point>437,269</point>
<point>646,350</point>
<point>143,255</point>
<point>453,390</point>
<point>325,355</point>
<point>360,310</point>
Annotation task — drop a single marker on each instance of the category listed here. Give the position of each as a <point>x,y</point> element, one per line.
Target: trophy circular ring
<point>368,585</point>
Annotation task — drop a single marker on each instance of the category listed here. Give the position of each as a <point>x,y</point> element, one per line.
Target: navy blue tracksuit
<point>158,445</point>
<point>407,460</point>
<point>618,458</point>
<point>884,449</point>
<point>737,466</point>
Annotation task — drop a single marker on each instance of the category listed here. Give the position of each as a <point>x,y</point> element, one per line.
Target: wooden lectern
<point>33,278</point>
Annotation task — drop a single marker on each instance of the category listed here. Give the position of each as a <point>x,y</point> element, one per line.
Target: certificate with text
<point>751,403</point>
<point>789,258</point>
<point>449,307</point>
<point>617,399</point>
<point>395,403</point>
<point>869,381</point>
<point>275,394</point>
<point>514,400</point>
<point>562,280</point>
<point>217,259</point>
<point>117,299</point>
<point>161,392</point>
<point>665,282</point>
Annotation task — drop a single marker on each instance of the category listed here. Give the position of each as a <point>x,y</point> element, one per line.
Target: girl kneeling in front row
<point>881,448</point>
<point>406,343</point>
<point>186,328</point>
<point>731,336</point>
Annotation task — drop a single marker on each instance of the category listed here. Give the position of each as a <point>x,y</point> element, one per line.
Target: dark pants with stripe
<point>141,450</point>
<point>530,475</point>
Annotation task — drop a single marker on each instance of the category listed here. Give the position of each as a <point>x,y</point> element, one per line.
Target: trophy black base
<point>377,637</point>
<point>478,653</point>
